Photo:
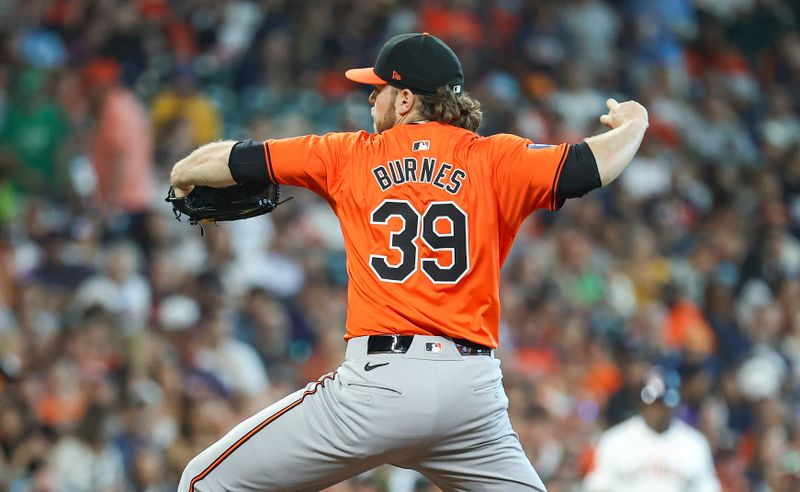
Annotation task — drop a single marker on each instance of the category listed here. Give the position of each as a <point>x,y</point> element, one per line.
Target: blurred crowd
<point>128,342</point>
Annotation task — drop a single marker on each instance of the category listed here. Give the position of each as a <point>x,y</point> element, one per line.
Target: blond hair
<point>446,107</point>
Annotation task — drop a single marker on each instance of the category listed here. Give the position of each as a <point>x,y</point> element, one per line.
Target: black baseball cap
<point>419,62</point>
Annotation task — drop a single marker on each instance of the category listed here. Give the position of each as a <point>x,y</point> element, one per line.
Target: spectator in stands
<point>33,134</point>
<point>121,148</point>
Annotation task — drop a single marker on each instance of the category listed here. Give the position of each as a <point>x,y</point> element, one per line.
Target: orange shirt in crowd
<point>686,328</point>
<point>121,150</point>
<point>428,212</point>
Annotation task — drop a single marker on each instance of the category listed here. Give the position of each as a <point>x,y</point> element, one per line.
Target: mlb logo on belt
<point>539,146</point>
<point>435,347</point>
<point>421,145</point>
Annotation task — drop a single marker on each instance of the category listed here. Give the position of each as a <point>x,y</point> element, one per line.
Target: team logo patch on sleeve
<point>539,146</point>
<point>434,347</point>
<point>421,145</point>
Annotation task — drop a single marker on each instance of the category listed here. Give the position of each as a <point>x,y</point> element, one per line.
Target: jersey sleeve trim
<point>247,163</point>
<point>270,169</point>
<point>554,202</point>
<point>580,174</point>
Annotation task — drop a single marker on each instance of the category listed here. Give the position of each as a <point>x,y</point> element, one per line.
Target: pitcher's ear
<point>405,101</point>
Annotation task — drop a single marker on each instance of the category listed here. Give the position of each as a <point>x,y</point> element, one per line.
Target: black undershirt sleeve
<point>248,162</point>
<point>579,174</point>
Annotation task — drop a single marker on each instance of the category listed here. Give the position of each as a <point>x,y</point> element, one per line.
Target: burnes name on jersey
<point>419,170</point>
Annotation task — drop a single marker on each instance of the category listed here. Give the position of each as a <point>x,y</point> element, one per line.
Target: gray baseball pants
<point>430,409</point>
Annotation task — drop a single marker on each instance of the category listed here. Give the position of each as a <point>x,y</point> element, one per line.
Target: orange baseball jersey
<point>428,212</point>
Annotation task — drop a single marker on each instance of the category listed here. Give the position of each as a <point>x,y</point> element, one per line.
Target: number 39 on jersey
<point>423,225</point>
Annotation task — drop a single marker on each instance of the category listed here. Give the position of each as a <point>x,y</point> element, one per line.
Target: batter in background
<point>429,210</point>
<point>652,451</point>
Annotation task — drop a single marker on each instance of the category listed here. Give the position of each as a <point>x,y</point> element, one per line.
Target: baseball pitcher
<point>429,210</point>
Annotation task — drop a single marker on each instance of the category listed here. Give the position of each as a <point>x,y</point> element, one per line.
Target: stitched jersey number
<point>404,241</point>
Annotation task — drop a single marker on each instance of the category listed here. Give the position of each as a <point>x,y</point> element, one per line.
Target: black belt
<point>399,344</point>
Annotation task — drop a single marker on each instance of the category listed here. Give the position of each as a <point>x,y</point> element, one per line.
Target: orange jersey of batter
<point>428,212</point>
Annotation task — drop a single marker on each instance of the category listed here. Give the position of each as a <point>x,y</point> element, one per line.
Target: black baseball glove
<point>205,204</point>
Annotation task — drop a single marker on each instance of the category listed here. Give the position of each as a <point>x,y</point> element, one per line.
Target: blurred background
<point>128,343</point>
